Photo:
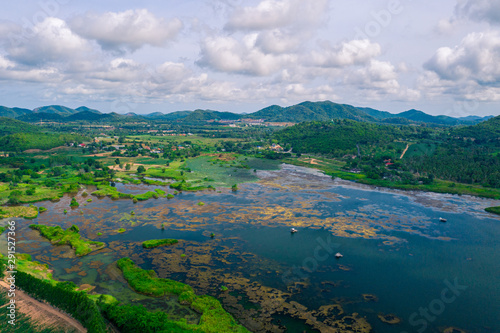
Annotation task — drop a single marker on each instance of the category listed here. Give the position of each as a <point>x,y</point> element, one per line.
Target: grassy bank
<point>334,169</point>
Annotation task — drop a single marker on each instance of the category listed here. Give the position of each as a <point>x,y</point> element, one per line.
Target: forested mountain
<point>57,109</point>
<point>306,111</point>
<point>311,111</point>
<point>487,131</point>
<point>419,116</point>
<point>40,116</point>
<point>12,112</point>
<point>339,137</point>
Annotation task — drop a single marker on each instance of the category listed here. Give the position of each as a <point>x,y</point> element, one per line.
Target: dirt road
<point>44,314</point>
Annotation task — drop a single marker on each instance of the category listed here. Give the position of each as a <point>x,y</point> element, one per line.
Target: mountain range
<point>306,111</point>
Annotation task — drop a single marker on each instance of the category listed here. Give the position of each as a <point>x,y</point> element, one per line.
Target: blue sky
<point>240,56</point>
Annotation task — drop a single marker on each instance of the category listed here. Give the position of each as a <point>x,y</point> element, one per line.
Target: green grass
<point>158,242</point>
<point>214,318</point>
<point>113,193</point>
<point>165,173</point>
<point>494,210</point>
<point>71,236</point>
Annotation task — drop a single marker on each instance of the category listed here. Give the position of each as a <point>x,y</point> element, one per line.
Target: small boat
<point>442,220</point>
<point>293,230</point>
<point>338,255</point>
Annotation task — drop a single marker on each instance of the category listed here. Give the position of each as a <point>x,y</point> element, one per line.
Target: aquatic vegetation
<point>65,211</point>
<point>121,230</point>
<point>42,209</point>
<point>29,212</point>
<point>170,196</point>
<point>158,242</point>
<point>89,200</point>
<point>57,236</point>
<point>213,319</point>
<point>234,188</point>
<point>74,203</point>
<point>389,319</point>
<point>494,210</point>
<point>201,203</point>
<point>2,229</point>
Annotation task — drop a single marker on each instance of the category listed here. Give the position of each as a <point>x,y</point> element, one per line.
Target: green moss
<point>57,236</point>
<point>89,200</point>
<point>158,242</point>
<point>74,203</point>
<point>170,196</point>
<point>42,209</point>
<point>121,230</point>
<point>201,203</point>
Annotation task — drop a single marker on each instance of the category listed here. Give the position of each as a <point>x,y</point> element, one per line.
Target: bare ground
<point>43,314</point>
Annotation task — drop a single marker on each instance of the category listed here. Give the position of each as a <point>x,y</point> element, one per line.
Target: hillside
<point>11,126</point>
<point>13,112</point>
<point>487,131</point>
<point>204,115</point>
<point>311,111</point>
<point>57,109</point>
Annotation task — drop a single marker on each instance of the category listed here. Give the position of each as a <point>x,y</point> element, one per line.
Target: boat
<point>442,220</point>
<point>338,255</point>
<point>293,230</point>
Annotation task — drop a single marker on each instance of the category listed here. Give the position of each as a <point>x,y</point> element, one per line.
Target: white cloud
<point>379,79</point>
<point>476,58</point>
<point>128,30</point>
<point>52,41</point>
<point>226,54</point>
<point>347,53</point>
<point>270,14</point>
<point>479,10</point>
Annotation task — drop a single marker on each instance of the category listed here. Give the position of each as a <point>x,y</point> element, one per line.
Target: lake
<point>402,269</point>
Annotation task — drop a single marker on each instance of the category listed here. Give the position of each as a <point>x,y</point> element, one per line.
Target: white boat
<point>293,230</point>
<point>338,255</point>
<point>442,219</point>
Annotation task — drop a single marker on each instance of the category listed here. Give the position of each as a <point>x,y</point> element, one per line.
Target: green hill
<point>13,112</point>
<point>487,131</point>
<point>311,111</point>
<point>11,126</point>
<point>204,115</point>
<point>41,116</point>
<point>57,109</point>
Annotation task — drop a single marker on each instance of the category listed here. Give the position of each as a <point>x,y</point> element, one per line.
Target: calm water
<point>395,251</point>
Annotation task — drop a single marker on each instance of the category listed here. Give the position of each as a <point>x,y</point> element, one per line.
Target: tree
<point>127,166</point>
<point>141,169</point>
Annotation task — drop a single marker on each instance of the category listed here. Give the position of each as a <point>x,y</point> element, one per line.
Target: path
<point>43,314</point>
<point>404,151</point>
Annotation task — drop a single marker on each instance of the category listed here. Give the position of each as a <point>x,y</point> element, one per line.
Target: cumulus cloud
<point>270,14</point>
<point>345,54</point>
<point>128,30</point>
<point>479,10</point>
<point>467,71</point>
<point>52,41</point>
<point>226,54</point>
<point>476,59</point>
<point>379,79</point>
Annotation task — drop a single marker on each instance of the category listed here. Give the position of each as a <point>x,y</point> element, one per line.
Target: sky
<point>441,57</point>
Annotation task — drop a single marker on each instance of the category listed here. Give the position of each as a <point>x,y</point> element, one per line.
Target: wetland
<point>237,247</point>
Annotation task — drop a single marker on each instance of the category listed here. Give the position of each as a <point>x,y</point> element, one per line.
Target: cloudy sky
<point>442,57</point>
